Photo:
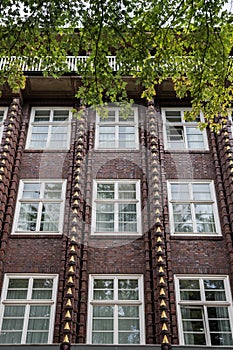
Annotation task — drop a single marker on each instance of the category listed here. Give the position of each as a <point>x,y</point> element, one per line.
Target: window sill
<point>196,237</point>
<point>47,150</point>
<point>207,151</point>
<point>36,235</point>
<point>104,150</point>
<point>117,236</point>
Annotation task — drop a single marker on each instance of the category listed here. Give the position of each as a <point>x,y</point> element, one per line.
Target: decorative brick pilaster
<point>71,322</point>
<point>10,156</point>
<point>158,244</point>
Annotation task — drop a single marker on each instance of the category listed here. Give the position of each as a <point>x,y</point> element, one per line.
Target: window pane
<point>219,324</point>
<point>127,191</point>
<point>103,290</point>
<point>60,115</point>
<point>17,289</point>
<point>173,116</point>
<point>194,138</point>
<point>103,311</point>
<point>106,137</point>
<point>28,217</point>
<point>128,289</point>
<point>193,325</point>
<point>13,337</point>
<point>50,217</point>
<point>42,289</point>
<point>37,337</point>
<point>194,339</point>
<point>189,284</point>
<point>31,190</point>
<point>126,137</point>
<point>129,337</point>
<point>214,290</point>
<point>39,137</point>
<point>223,339</point>
<point>13,317</point>
<point>182,218</point>
<point>102,338</point>
<point>205,218</point>
<point>129,117</point>
<point>128,311</point>
<point>42,115</point>
<point>111,115</point>
<point>58,138</point>
<point>180,192</point>
<point>105,191</point>
<point>201,192</point>
<point>102,325</point>
<point>53,190</point>
<point>189,290</point>
<point>12,324</point>
<point>127,218</point>
<point>175,136</point>
<point>105,218</point>
<point>103,320</point>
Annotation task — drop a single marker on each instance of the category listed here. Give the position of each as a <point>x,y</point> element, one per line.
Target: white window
<point>40,207</point>
<point>116,310</point>
<point>204,306</point>
<point>27,309</point>
<point>180,134</point>
<point>193,208</point>
<point>3,113</point>
<point>116,207</point>
<point>49,128</point>
<point>117,131</point>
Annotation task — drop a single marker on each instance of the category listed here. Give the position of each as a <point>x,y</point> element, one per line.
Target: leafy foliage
<point>187,41</point>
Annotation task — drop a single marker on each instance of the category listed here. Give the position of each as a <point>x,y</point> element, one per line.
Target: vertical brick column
<point>74,250</point>
<point>148,275</point>
<point>158,244</point>
<point>10,156</point>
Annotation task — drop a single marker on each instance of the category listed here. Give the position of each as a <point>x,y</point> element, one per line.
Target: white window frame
<point>40,201</point>
<point>104,122</point>
<point>202,303</point>
<point>115,302</point>
<point>117,201</point>
<point>191,201</point>
<point>230,117</point>
<point>50,124</point>
<point>184,125</point>
<point>29,301</point>
<point>4,110</point>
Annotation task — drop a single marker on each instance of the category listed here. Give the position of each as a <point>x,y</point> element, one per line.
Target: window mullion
<point>115,321</point>
<point>40,206</point>
<point>49,135</point>
<point>192,207</point>
<point>27,311</point>
<point>204,311</point>
<point>117,130</point>
<point>25,324</point>
<point>116,217</point>
<point>115,326</point>
<point>206,325</point>
<point>116,208</point>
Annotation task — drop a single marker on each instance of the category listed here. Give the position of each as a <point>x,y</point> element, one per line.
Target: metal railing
<point>37,65</point>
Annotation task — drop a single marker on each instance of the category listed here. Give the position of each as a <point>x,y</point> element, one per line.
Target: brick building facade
<point>113,231</point>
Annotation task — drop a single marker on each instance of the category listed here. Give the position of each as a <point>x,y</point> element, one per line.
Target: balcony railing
<point>37,64</point>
